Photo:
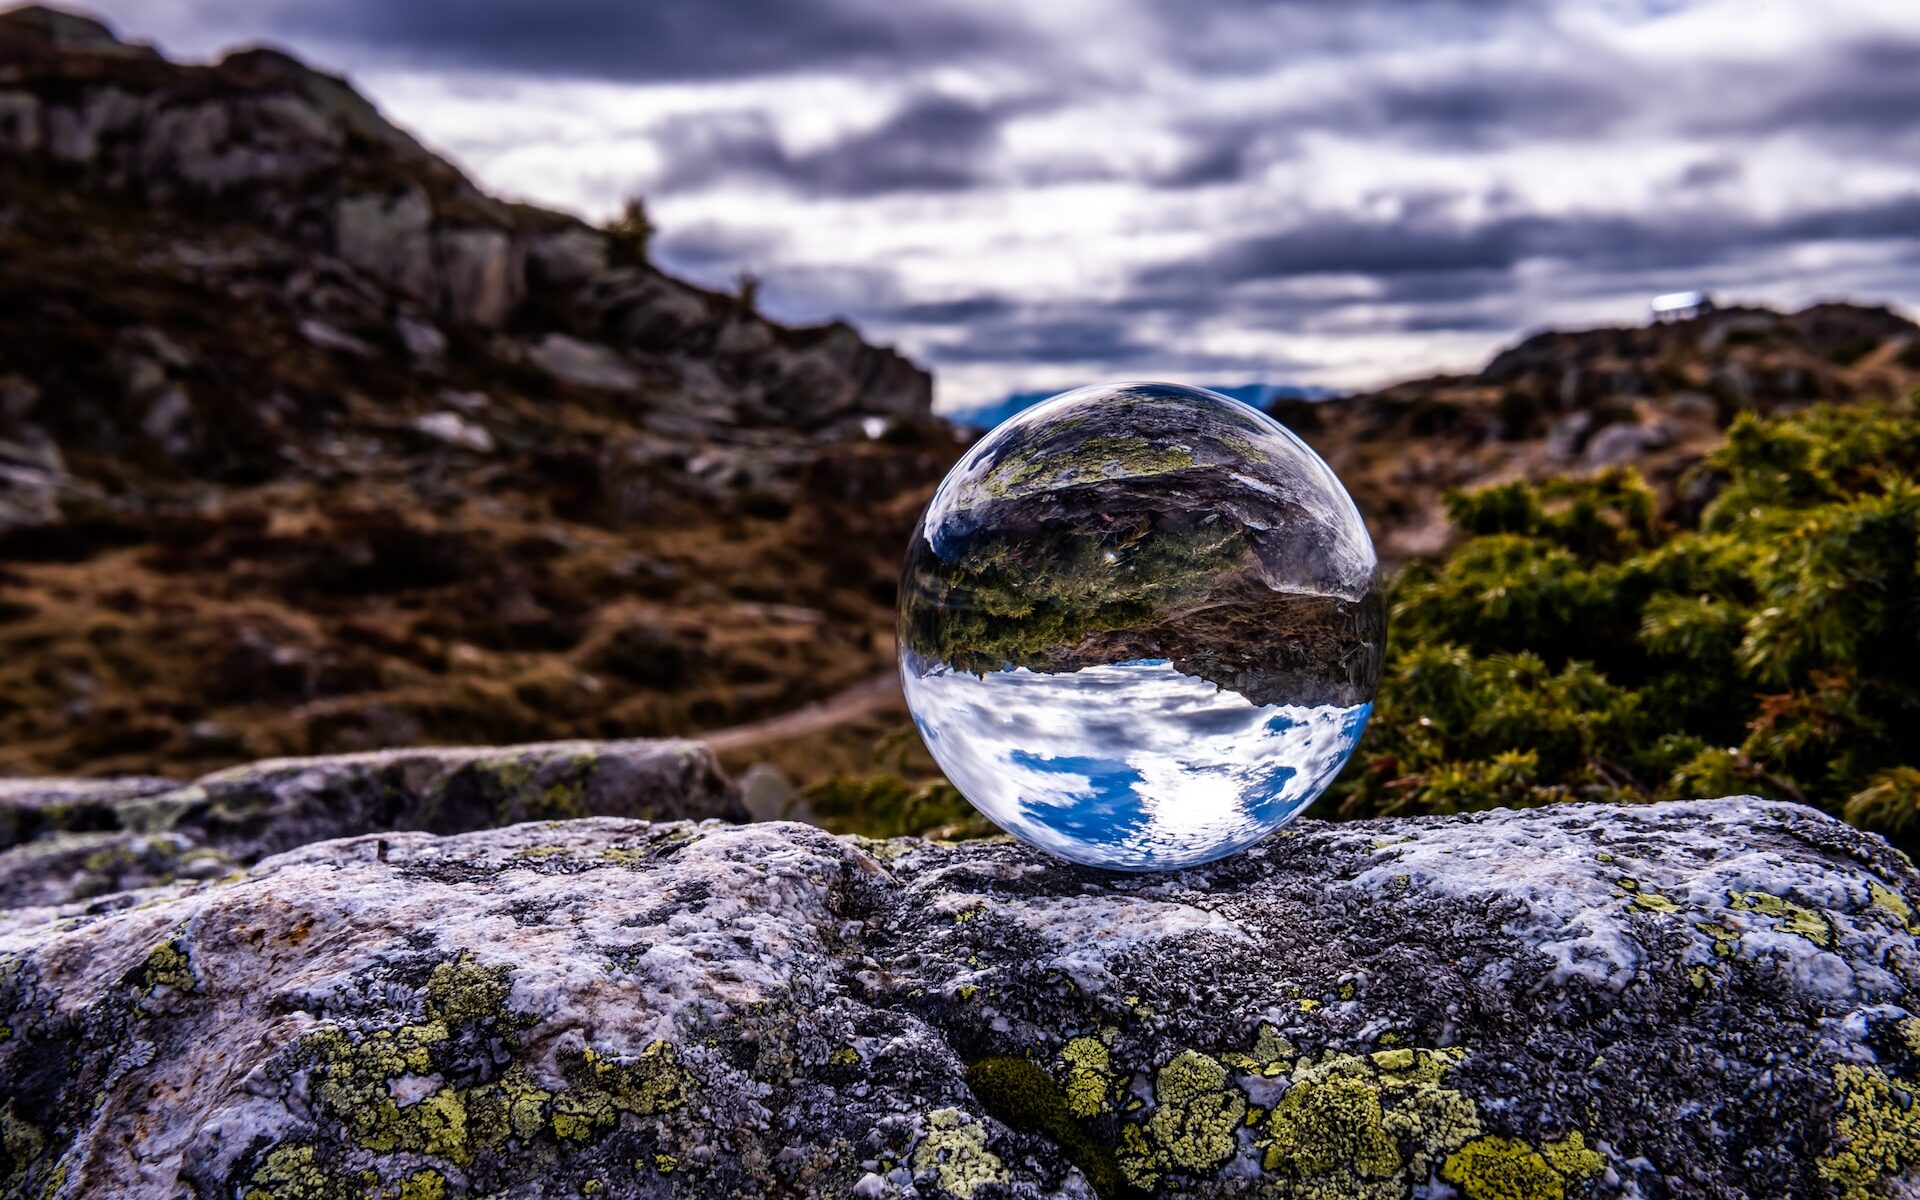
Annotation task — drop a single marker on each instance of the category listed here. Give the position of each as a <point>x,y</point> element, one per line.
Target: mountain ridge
<point>1656,397</point>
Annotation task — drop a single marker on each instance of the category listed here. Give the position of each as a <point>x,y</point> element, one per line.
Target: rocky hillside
<point>1654,397</point>
<point>1695,1000</point>
<point>308,445</point>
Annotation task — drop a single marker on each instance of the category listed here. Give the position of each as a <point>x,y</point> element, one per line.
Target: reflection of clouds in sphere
<point>1133,765</point>
<point>1141,625</point>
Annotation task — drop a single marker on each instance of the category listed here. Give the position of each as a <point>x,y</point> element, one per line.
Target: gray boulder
<point>71,840</point>
<point>1707,999</point>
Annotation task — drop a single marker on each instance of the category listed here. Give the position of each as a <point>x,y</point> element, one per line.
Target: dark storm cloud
<point>639,40</point>
<point>1710,172</point>
<point>1337,244</point>
<point>1482,108</point>
<point>934,143</point>
<point>965,311</point>
<point>1045,339</point>
<point>699,248</point>
<point>1258,36</point>
<point>1871,88</point>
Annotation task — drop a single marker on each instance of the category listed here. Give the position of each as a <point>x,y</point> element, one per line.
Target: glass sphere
<point>1141,626</point>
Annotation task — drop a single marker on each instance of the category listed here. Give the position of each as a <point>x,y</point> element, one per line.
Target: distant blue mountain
<point>1257,394</point>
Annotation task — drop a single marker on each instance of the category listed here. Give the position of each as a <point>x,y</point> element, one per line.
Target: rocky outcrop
<point>1654,397</point>
<point>313,162</point>
<point>309,446</point>
<point>307,157</point>
<point>1704,999</point>
<point>64,840</point>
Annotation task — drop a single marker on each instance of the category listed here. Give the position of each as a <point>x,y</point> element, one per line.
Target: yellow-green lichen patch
<point>652,1082</point>
<point>1726,941</point>
<point>1571,1157</point>
<point>579,1113</point>
<point>513,1106</point>
<point>1243,448</point>
<point>22,1144</point>
<point>1499,1168</point>
<point>1090,1077</point>
<point>1888,900</point>
<point>1270,1055</point>
<point>292,1171</point>
<point>1352,1124</point>
<point>166,966</point>
<point>461,991</point>
<point>1196,1115</point>
<point>423,1185</point>
<point>352,1080</point>
<point>1876,1133</point>
<point>1797,919</point>
<point>562,801</point>
<point>954,1148</point>
<point>1643,898</point>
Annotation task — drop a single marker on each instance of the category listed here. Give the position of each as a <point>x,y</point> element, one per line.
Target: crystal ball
<point>1141,626</point>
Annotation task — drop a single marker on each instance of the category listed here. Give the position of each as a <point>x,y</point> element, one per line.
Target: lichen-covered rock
<point>1704,999</point>
<point>64,840</point>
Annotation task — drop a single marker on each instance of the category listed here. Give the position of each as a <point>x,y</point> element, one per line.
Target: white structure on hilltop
<point>1681,306</point>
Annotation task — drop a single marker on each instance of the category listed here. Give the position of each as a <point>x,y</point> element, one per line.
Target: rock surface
<point>1707,999</point>
<point>67,840</point>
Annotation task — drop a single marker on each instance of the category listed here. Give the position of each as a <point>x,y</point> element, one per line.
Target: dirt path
<point>867,696</point>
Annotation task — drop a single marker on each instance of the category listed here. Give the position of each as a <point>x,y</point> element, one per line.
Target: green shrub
<point>1890,807</point>
<point>1574,647</point>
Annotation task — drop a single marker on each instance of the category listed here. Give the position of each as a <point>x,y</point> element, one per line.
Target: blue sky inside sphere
<point>1028,197</point>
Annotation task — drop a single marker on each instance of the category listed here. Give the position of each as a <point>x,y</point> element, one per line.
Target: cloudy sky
<point>1030,196</point>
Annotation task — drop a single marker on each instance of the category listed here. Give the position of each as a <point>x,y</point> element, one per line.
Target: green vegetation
<point>1576,647</point>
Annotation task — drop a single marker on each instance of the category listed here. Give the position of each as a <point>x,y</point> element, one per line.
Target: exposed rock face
<point>1707,999</point>
<point>66,840</point>
<point>309,159</point>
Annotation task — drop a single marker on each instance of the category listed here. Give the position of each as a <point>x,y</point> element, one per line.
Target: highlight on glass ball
<point>1141,626</point>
